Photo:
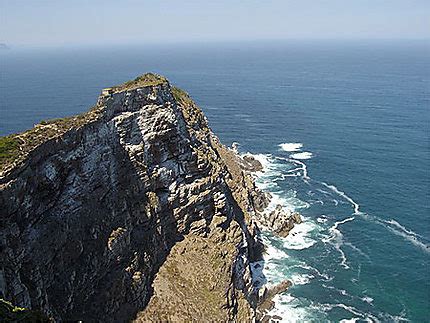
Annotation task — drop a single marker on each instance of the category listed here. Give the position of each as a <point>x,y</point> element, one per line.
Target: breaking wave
<point>281,176</point>
<point>408,235</point>
<point>301,237</point>
<point>336,238</point>
<point>346,197</point>
<point>302,155</point>
<point>291,146</point>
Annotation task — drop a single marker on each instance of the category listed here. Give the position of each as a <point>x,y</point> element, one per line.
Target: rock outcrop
<point>133,210</point>
<point>279,220</point>
<point>249,163</point>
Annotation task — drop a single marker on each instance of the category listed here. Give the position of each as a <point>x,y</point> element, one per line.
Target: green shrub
<point>11,313</point>
<point>148,79</point>
<point>9,148</point>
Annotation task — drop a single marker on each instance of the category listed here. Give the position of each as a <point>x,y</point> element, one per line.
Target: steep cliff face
<point>133,210</point>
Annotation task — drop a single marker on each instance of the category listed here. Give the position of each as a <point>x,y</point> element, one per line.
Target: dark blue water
<point>360,110</point>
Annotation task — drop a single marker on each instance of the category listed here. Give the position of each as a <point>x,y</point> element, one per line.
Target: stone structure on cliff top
<point>131,211</point>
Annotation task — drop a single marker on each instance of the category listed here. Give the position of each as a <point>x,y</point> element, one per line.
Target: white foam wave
<point>322,219</point>
<point>340,291</point>
<point>411,238</point>
<point>396,228</point>
<point>310,268</point>
<point>273,252</point>
<point>401,227</point>
<point>302,155</point>
<point>290,175</point>
<point>319,202</point>
<point>358,250</point>
<point>267,178</point>
<point>359,272</point>
<point>322,191</point>
<point>291,310</point>
<point>346,197</point>
<point>299,237</point>
<point>267,185</point>
<point>300,279</point>
<point>291,146</point>
<point>395,318</point>
<point>294,170</point>
<point>336,239</point>
<point>362,316</point>
<point>353,320</point>
<point>287,199</point>
<point>343,256</point>
<point>367,299</point>
<point>303,167</point>
<point>337,223</point>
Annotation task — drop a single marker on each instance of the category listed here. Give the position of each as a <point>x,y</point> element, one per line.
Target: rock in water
<point>251,164</point>
<point>133,210</point>
<point>280,220</point>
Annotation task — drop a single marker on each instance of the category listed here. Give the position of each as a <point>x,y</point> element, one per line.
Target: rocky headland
<point>133,211</point>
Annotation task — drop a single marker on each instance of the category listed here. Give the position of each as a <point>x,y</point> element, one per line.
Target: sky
<point>65,22</point>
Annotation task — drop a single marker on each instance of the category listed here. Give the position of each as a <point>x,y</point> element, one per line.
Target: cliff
<point>131,211</point>
<point>127,211</point>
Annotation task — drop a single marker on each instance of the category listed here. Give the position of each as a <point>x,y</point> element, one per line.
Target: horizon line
<point>65,45</point>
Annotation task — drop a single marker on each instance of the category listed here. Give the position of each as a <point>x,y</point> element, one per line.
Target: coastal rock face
<point>280,220</point>
<point>132,211</point>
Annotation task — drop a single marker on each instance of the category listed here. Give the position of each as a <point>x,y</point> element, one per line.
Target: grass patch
<point>9,148</point>
<point>14,148</point>
<point>181,96</point>
<point>148,79</point>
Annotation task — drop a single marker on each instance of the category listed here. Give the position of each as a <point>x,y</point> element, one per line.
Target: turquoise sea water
<point>342,128</point>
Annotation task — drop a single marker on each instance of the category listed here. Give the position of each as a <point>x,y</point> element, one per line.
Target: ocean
<point>342,128</point>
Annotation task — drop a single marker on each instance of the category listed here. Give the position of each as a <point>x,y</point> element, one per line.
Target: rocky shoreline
<point>279,221</point>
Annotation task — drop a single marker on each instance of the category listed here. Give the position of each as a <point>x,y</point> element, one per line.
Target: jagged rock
<point>249,163</point>
<point>296,218</point>
<point>266,303</point>
<point>261,199</point>
<point>279,220</point>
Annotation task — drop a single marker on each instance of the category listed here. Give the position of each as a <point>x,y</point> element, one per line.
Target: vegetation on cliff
<point>11,313</point>
<point>14,148</point>
<point>8,149</point>
<point>148,79</point>
<point>181,96</point>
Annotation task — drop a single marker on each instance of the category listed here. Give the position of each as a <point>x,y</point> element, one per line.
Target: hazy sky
<point>57,22</point>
